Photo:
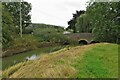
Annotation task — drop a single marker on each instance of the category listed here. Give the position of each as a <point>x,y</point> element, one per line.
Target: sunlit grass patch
<point>99,62</point>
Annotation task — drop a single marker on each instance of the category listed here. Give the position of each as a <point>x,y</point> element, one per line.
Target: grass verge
<point>89,61</point>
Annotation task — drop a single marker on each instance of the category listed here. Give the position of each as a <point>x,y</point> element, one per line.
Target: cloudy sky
<point>56,12</point>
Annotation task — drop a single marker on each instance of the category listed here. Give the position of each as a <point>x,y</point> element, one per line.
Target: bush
<point>50,35</point>
<point>27,31</point>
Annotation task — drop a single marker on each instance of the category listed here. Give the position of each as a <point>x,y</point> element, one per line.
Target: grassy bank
<point>89,61</point>
<point>99,62</point>
<point>12,60</point>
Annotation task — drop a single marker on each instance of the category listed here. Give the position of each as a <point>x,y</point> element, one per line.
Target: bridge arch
<point>83,41</point>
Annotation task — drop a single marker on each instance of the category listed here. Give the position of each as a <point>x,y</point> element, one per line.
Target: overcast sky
<point>56,12</point>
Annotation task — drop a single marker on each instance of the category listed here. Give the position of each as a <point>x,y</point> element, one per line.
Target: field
<point>88,61</point>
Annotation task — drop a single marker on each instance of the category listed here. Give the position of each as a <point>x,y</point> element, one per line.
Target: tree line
<point>100,18</point>
<point>11,20</point>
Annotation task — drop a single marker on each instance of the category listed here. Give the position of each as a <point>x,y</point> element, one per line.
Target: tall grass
<point>12,60</point>
<point>88,61</point>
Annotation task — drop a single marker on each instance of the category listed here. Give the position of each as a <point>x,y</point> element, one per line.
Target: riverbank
<point>12,60</point>
<point>88,61</point>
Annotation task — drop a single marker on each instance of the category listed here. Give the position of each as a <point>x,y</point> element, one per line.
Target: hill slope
<point>95,61</point>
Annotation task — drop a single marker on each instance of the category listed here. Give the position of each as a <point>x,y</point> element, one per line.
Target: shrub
<point>50,35</point>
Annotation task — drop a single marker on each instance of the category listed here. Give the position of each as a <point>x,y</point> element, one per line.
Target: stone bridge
<point>81,36</point>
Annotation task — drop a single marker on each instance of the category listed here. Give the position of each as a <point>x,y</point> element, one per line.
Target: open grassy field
<point>88,61</point>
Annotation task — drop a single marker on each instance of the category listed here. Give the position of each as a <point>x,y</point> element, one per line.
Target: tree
<point>103,19</point>
<point>8,28</point>
<point>11,21</point>
<point>83,24</point>
<point>14,9</point>
<point>72,22</point>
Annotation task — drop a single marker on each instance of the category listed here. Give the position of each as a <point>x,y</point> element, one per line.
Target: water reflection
<point>31,57</point>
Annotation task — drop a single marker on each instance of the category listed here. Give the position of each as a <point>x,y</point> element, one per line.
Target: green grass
<point>99,62</point>
<point>88,61</point>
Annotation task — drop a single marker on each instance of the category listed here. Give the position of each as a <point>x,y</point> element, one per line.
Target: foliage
<point>11,21</point>
<point>72,22</point>
<point>50,35</point>
<point>104,20</point>
<point>14,9</point>
<point>28,30</point>
<point>7,27</point>
<point>83,24</point>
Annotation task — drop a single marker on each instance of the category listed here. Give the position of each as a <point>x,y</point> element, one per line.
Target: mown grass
<point>99,62</point>
<point>89,61</point>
